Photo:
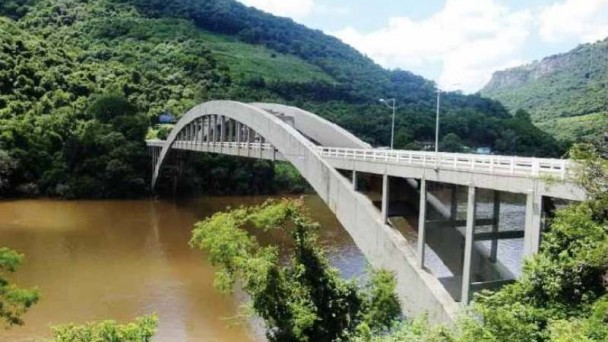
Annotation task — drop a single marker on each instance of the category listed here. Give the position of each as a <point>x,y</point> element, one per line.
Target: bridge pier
<point>422,223</point>
<point>464,263</point>
<point>385,197</point>
<point>495,225</point>
<point>468,246</point>
<point>532,233</point>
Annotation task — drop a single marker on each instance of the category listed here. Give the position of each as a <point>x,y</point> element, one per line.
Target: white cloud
<point>287,8</point>
<point>469,38</point>
<point>582,20</point>
<point>331,10</point>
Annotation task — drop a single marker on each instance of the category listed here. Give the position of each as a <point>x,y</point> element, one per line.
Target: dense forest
<point>82,81</point>
<point>565,94</point>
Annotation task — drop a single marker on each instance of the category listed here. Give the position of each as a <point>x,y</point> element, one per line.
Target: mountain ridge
<point>565,93</point>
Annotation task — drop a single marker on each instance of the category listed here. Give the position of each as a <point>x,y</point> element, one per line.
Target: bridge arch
<point>418,290</point>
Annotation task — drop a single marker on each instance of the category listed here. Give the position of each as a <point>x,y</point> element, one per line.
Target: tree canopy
<point>303,299</point>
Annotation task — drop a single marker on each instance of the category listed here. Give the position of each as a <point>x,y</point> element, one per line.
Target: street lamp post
<point>393,107</point>
<point>437,121</point>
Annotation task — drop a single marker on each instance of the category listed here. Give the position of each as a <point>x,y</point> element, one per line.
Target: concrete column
<point>209,130</point>
<point>262,141</point>
<point>203,128</point>
<point>354,180</point>
<point>495,224</point>
<point>249,137</point>
<point>532,228</point>
<point>214,128</point>
<point>230,131</point>
<point>385,197</point>
<point>454,203</point>
<point>239,128</point>
<point>422,223</point>
<point>222,131</point>
<point>468,246</point>
<point>222,128</point>
<point>201,132</point>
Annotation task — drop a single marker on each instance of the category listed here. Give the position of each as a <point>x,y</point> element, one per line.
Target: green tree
<point>305,299</point>
<point>14,301</point>
<point>452,143</point>
<point>8,166</point>
<point>141,330</point>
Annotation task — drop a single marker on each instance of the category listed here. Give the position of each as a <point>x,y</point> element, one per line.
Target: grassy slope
<point>249,61</point>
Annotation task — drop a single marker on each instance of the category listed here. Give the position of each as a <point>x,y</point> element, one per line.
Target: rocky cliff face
<point>518,76</point>
<point>564,92</point>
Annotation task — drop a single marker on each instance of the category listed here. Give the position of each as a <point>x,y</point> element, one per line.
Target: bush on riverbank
<point>304,298</point>
<point>141,330</point>
<point>14,301</point>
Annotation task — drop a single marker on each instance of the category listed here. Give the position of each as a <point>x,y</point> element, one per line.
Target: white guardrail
<point>189,144</point>
<point>500,165</point>
<point>503,165</point>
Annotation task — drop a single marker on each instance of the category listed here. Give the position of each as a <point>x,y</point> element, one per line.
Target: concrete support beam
<point>422,223</point>
<point>214,125</point>
<point>230,131</point>
<point>249,140</point>
<point>454,203</point>
<point>239,129</point>
<point>385,197</point>
<point>533,224</point>
<point>222,128</point>
<point>495,224</point>
<point>222,132</point>
<point>354,180</point>
<point>206,128</point>
<point>468,246</point>
<point>262,141</point>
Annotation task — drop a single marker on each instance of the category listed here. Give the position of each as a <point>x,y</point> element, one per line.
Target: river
<point>96,260</point>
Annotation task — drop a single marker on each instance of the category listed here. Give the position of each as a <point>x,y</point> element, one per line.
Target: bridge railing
<point>504,165</point>
<point>190,143</point>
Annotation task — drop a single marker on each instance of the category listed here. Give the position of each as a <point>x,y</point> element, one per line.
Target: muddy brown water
<point>96,260</point>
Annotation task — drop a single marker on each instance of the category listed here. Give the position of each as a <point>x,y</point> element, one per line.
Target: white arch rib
<point>418,290</point>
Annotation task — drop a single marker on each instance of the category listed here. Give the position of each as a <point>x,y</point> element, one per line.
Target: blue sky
<point>458,43</point>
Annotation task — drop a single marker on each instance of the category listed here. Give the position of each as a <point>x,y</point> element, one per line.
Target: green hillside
<point>565,94</point>
<point>81,80</point>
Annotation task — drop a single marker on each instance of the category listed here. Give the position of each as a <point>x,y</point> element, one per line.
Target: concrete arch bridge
<point>464,206</point>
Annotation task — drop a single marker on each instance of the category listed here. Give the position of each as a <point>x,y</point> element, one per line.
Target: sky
<point>457,43</point>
